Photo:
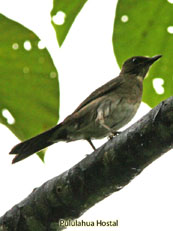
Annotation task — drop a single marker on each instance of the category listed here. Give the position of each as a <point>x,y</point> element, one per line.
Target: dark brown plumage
<point>101,114</point>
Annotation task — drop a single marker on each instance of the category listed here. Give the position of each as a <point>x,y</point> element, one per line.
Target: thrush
<point>101,114</point>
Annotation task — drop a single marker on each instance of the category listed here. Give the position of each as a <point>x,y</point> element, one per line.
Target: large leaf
<point>143,28</point>
<point>29,87</point>
<point>65,12</point>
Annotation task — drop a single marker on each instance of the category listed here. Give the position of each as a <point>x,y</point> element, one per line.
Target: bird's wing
<point>103,90</point>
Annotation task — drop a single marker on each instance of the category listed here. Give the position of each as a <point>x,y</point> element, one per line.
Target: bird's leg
<point>92,145</point>
<point>111,132</point>
<point>100,119</point>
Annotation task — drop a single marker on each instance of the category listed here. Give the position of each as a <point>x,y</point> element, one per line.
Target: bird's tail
<point>37,143</point>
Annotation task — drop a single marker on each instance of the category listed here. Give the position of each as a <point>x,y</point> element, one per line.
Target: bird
<point>101,114</point>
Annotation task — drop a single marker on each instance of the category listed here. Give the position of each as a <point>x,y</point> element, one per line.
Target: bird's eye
<point>134,60</point>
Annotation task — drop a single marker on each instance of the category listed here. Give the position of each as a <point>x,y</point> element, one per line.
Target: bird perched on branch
<point>101,114</point>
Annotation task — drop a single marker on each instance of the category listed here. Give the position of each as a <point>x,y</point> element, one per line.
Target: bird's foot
<point>113,133</point>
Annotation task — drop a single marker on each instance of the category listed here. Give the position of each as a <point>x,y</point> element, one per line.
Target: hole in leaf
<point>41,45</point>
<point>26,70</point>
<point>170,29</point>
<point>158,85</point>
<point>59,18</point>
<point>170,1</point>
<point>6,114</point>
<point>52,74</point>
<point>124,18</point>
<point>27,45</point>
<point>15,46</point>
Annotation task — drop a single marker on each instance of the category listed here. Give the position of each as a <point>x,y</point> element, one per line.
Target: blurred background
<point>84,62</point>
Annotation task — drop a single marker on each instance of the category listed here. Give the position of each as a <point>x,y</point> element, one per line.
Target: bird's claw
<point>112,134</point>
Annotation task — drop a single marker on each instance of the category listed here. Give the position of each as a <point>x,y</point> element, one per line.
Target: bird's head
<point>138,65</point>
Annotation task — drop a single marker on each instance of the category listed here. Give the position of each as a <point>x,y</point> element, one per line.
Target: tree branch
<point>106,170</point>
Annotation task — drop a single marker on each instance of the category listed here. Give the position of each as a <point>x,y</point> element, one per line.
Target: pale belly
<point>115,117</point>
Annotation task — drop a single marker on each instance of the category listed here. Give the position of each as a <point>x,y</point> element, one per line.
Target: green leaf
<point>41,155</point>
<point>63,14</point>
<point>141,28</point>
<point>29,89</point>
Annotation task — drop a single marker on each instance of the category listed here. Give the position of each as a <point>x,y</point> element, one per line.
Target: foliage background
<point>84,62</point>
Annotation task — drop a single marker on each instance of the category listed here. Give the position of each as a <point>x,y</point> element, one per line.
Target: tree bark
<point>106,170</point>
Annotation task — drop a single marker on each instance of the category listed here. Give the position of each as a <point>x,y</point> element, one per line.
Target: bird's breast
<point>121,114</point>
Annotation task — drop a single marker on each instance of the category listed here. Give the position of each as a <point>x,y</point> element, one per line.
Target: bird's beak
<point>153,59</point>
